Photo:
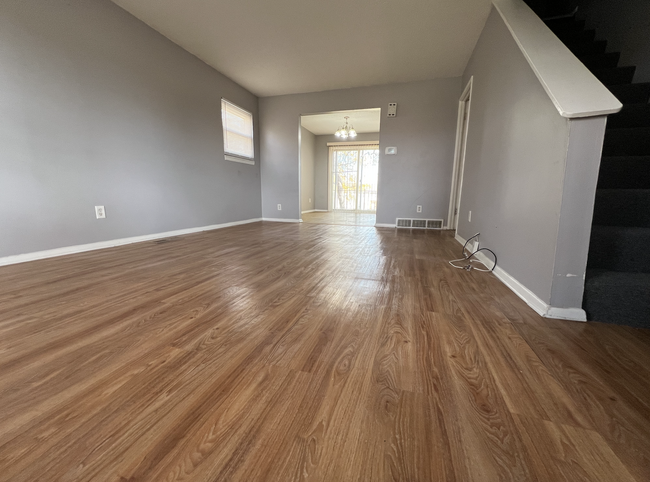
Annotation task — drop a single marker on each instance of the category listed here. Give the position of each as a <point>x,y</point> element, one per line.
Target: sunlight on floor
<point>340,217</point>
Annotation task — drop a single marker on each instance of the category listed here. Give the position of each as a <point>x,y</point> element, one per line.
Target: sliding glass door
<point>354,178</point>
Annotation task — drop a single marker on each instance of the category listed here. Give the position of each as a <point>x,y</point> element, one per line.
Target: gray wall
<point>514,165</point>
<point>321,164</point>
<point>96,108</point>
<point>423,133</point>
<point>307,153</point>
<point>530,174</point>
<point>626,27</point>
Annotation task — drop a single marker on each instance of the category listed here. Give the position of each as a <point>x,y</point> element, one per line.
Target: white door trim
<point>459,154</point>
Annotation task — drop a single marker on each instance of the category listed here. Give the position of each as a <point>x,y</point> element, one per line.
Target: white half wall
<point>530,175</point>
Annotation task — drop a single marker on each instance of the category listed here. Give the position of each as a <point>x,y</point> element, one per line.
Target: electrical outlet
<point>100,212</point>
<point>469,218</point>
<point>279,207</point>
<point>309,199</point>
<point>418,208</point>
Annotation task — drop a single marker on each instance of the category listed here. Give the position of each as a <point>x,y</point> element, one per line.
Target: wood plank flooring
<point>278,352</point>
<point>347,218</point>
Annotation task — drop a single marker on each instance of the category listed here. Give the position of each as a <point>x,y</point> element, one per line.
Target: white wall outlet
<point>469,218</point>
<point>279,207</point>
<point>418,208</point>
<point>391,151</point>
<point>309,199</point>
<point>100,212</point>
<point>392,109</point>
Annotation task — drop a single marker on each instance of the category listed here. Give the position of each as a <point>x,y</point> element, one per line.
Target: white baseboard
<point>573,314</point>
<point>309,211</point>
<point>282,220</point>
<point>531,299</point>
<point>383,225</point>
<point>52,253</point>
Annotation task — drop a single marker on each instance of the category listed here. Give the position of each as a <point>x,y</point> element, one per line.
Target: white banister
<point>574,90</point>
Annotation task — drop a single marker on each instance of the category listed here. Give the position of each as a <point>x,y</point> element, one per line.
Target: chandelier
<point>346,131</point>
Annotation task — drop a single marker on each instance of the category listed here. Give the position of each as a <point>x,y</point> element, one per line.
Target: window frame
<point>230,156</point>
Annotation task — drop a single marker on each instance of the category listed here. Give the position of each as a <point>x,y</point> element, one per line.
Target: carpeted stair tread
<point>628,141</point>
<point>617,283</point>
<point>620,248</point>
<point>565,23</point>
<point>570,36</point>
<point>624,172</point>
<point>622,207</point>
<point>587,48</point>
<point>632,115</point>
<point>632,93</point>
<point>619,298</point>
<point>607,60</point>
<point>615,76</point>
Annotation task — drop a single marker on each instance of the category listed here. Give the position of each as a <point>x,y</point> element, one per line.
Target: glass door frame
<point>352,146</point>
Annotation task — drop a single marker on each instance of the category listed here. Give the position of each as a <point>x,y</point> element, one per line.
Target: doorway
<point>459,157</point>
<point>340,173</point>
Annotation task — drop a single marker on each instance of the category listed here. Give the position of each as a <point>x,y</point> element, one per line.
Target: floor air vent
<point>419,223</point>
<point>403,223</point>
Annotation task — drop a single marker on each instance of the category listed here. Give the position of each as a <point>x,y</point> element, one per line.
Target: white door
<point>459,160</point>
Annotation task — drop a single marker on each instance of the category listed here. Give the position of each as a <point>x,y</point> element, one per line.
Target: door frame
<point>462,125</point>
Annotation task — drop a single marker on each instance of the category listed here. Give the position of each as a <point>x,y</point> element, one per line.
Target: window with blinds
<point>237,132</point>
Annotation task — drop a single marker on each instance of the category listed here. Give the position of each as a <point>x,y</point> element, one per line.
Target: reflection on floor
<point>340,217</point>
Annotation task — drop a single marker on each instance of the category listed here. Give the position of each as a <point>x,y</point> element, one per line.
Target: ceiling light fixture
<point>346,131</point>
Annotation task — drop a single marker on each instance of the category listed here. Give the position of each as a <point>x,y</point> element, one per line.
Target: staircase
<point>617,285</point>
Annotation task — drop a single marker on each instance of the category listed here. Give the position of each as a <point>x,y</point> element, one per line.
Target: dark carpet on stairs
<point>617,285</point>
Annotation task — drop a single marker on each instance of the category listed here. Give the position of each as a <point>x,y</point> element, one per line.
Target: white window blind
<point>237,130</point>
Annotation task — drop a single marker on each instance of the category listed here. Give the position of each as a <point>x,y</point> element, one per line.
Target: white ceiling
<point>366,120</point>
<point>291,46</point>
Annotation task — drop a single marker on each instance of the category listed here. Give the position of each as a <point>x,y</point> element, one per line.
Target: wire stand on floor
<point>469,257</point>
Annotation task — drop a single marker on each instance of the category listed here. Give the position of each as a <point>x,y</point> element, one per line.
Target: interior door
<point>458,177</point>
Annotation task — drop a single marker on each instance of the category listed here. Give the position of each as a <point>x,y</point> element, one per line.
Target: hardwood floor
<point>340,217</point>
<point>281,352</point>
